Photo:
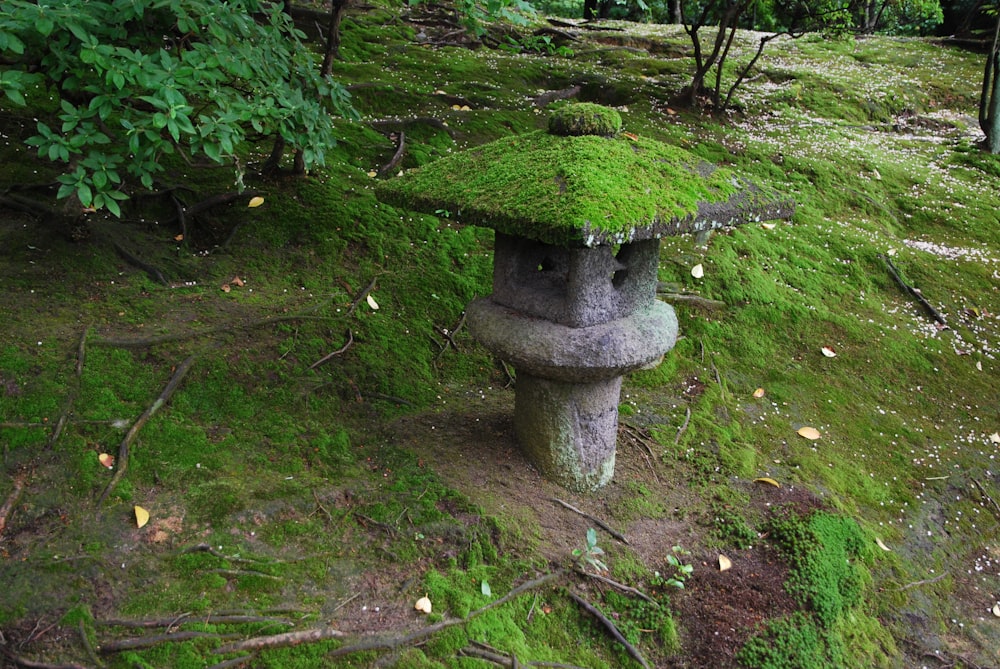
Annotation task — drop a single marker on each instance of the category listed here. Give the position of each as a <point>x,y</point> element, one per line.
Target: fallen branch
<point>992,501</point>
<point>206,548</point>
<point>397,157</point>
<point>228,619</point>
<point>67,408</point>
<point>123,448</point>
<point>280,640</point>
<point>915,292</point>
<point>155,640</point>
<point>926,581</point>
<point>350,340</point>
<point>362,295</point>
<point>418,120</point>
<point>377,642</point>
<point>620,586</point>
<point>604,526</point>
<point>486,652</point>
<point>684,425</point>
<point>31,664</point>
<point>610,626</point>
<point>548,97</point>
<point>8,506</point>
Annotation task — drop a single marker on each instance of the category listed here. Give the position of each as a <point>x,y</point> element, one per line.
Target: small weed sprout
<point>591,554</point>
<point>681,569</point>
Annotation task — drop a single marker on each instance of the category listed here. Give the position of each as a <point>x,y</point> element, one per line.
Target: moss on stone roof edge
<point>584,190</point>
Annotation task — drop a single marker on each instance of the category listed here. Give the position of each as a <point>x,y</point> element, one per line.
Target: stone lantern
<point>578,212</point>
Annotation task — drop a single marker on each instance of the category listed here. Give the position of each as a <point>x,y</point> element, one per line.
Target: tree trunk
<point>989,98</point>
<point>677,12</point>
<point>333,37</point>
<point>590,9</point>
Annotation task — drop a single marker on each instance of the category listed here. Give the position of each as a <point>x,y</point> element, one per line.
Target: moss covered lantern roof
<point>583,183</point>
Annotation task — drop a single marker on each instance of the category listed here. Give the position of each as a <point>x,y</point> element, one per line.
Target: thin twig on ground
<point>32,664</point>
<point>637,437</point>
<point>684,425</point>
<point>136,643</point>
<point>610,626</point>
<point>620,586</point>
<point>915,292</point>
<point>124,447</point>
<point>604,526</point>
<point>67,408</point>
<point>926,581</point>
<point>362,295</point>
<point>992,501</point>
<point>350,340</point>
<point>220,619</point>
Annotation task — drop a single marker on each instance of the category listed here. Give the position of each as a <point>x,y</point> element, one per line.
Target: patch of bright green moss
<point>566,190</point>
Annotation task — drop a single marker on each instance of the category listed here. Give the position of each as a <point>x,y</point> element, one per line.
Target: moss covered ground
<point>328,459</point>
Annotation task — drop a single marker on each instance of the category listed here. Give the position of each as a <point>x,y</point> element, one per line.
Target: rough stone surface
<point>569,430</point>
<point>578,287</point>
<point>574,355</point>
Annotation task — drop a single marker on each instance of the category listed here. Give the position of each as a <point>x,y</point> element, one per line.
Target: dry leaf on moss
<point>809,433</point>
<point>256,201</point>
<point>724,563</point>
<point>698,271</point>
<point>758,393</point>
<point>141,516</point>
<point>768,481</point>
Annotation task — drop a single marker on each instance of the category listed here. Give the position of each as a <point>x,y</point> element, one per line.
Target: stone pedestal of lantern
<point>578,213</point>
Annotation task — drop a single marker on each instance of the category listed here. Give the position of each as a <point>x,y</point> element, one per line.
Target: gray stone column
<point>569,430</point>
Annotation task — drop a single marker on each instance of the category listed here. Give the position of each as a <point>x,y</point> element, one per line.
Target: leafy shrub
<point>137,80</point>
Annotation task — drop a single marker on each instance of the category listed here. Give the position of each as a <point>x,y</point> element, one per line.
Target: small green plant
<point>591,554</point>
<point>681,569</point>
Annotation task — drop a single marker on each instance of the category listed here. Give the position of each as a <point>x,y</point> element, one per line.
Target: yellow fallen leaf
<point>769,226</point>
<point>423,604</point>
<point>457,107</point>
<point>979,365</point>
<point>372,174</point>
<point>465,108</point>
<point>758,393</point>
<point>881,544</point>
<point>439,92</point>
<point>226,288</point>
<point>829,352</point>
<point>995,437</point>
<point>372,303</point>
<point>141,516</point>
<point>891,252</point>
<point>724,563</point>
<point>996,610</point>
<point>809,433</point>
<point>698,271</point>
<point>107,460</point>
<point>767,480</point>
<point>256,201</point>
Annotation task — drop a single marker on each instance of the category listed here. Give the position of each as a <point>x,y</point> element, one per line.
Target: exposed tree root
<point>610,626</point>
<point>486,652</point>
<point>400,123</point>
<point>396,158</point>
<point>8,506</point>
<point>176,621</point>
<point>604,526</point>
<point>123,448</point>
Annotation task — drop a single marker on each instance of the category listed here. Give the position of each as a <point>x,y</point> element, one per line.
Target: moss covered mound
<point>582,190</point>
<point>585,118</point>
